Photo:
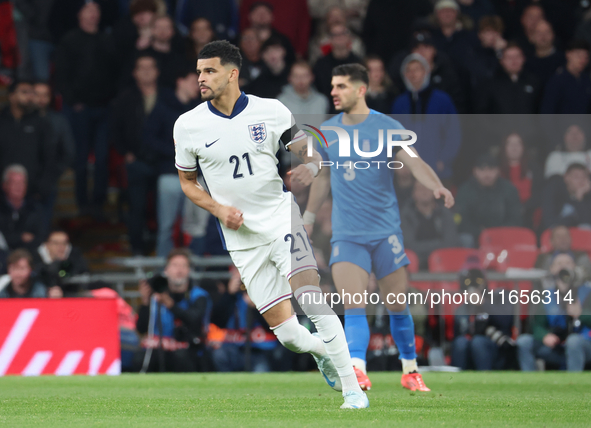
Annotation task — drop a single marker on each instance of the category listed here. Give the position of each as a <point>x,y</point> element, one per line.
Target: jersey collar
<point>240,105</point>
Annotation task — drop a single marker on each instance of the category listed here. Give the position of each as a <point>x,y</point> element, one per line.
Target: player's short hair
<point>577,45</point>
<point>576,166</point>
<point>355,72</point>
<point>179,252</point>
<point>224,50</point>
<point>15,167</point>
<point>19,254</point>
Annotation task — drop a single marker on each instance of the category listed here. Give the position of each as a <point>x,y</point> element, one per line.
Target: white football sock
<point>330,329</point>
<point>409,366</point>
<point>360,364</point>
<point>297,338</point>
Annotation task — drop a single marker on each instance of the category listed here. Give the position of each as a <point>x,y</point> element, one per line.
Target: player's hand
<point>551,340</point>
<point>447,196</point>
<point>230,217</point>
<point>55,292</point>
<point>302,174</point>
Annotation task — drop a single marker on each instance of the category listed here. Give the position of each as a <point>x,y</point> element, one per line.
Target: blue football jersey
<point>365,206</point>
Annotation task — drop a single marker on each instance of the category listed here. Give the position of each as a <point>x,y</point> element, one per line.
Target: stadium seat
<point>508,238</point>
<point>449,259</point>
<point>581,240</point>
<point>413,267</point>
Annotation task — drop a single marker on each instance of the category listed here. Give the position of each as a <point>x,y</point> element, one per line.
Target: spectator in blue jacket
<point>431,114</point>
<point>569,90</point>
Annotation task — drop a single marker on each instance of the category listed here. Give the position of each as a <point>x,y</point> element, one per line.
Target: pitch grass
<point>508,399</point>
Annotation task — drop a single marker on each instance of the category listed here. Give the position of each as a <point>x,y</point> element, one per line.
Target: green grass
<point>507,399</point>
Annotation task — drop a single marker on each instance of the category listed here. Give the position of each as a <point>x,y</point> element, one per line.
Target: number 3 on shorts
<point>396,245</point>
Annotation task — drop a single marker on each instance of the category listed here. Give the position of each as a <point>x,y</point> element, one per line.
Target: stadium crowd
<point>100,83</point>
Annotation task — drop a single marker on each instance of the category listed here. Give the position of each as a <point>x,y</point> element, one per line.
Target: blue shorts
<point>382,256</point>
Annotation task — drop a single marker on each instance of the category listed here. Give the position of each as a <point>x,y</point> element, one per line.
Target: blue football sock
<point>357,332</point>
<point>402,329</point>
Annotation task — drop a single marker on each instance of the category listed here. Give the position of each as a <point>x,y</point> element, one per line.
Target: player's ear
<point>234,74</point>
<point>361,90</point>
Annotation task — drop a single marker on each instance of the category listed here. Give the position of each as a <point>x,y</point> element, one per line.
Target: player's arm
<point>309,168</point>
<point>229,216</point>
<point>318,194</point>
<point>425,175</point>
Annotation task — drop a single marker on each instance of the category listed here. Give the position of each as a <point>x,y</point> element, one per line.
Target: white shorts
<point>266,270</point>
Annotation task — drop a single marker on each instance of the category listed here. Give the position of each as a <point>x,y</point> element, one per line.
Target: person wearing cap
<point>431,114</point>
<point>443,74</point>
<point>486,200</point>
<point>569,90</point>
<point>482,331</point>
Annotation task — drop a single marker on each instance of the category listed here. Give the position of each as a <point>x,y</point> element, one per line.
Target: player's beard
<point>214,94</point>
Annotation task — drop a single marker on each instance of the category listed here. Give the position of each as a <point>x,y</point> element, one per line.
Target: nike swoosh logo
<point>331,384</point>
<point>399,259</point>
<point>300,258</point>
<point>211,144</point>
<point>330,339</point>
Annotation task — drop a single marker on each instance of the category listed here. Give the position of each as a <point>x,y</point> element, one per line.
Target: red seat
<point>508,238</point>
<point>580,240</point>
<point>413,267</point>
<point>449,259</point>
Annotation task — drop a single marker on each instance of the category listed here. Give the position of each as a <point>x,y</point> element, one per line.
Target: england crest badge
<point>258,132</point>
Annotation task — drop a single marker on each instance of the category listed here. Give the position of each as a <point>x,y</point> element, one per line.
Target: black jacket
<point>13,223</point>
<point>501,95</point>
<point>559,208</point>
<point>30,143</point>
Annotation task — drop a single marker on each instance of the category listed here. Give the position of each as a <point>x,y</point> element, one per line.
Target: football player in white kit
<point>234,139</point>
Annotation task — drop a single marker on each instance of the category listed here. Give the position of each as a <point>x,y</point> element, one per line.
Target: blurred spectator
<point>261,19</point>
<point>404,183</point>
<point>275,71</point>
<point>252,64</point>
<point>354,11</point>
<point>571,151</point>
<point>443,74</point>
<point>568,201</point>
<point>195,222</point>
<point>64,15</point>
<point>200,34</point>
<point>427,226</point>
<point>380,92</point>
<point>141,131</point>
<point>546,58</point>
<point>299,96</point>
<point>320,45</point>
<point>452,33</point>
<point>21,218</point>
<point>37,14</point>
<point>482,332</point>
<point>27,139</point>
<point>85,77</point>
<point>340,39</point>
<point>56,260</point>
<point>569,90</point>
<point>476,9</point>
<point>222,16</point>
<point>484,63</point>
<point>175,316</point>
<point>19,283</point>
<point>388,24</point>
<point>240,326</point>
<point>169,193</point>
<point>523,174</point>
<point>64,141</point>
<point>561,329</point>
<point>531,16</point>
<point>291,18</point>
<point>486,200</point>
<point>512,90</point>
<point>560,241</point>
<point>431,114</point>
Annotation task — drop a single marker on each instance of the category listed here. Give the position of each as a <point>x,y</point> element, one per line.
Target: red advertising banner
<point>59,336</point>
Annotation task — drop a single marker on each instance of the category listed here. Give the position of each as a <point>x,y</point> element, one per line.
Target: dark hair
<point>19,254</point>
<point>145,55</point>
<point>577,44</point>
<point>574,166</point>
<point>224,50</point>
<point>14,85</point>
<point>491,22</point>
<point>260,3</point>
<point>139,6</point>
<point>355,72</point>
<point>179,252</point>
<point>504,160</point>
<point>57,230</point>
<point>513,45</point>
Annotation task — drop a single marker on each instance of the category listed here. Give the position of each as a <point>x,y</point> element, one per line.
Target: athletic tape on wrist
<point>309,217</point>
<point>313,168</point>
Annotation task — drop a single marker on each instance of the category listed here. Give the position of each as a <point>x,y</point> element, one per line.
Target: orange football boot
<point>414,382</point>
<point>362,379</point>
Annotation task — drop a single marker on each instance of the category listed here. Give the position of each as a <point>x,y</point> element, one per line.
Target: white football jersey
<point>237,157</point>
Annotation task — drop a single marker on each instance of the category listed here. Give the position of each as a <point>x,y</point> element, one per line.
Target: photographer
<point>482,332</point>
<point>561,329</point>
<point>56,260</point>
<point>175,316</point>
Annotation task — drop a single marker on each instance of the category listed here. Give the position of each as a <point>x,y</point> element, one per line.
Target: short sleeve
<point>185,160</point>
<point>285,119</point>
